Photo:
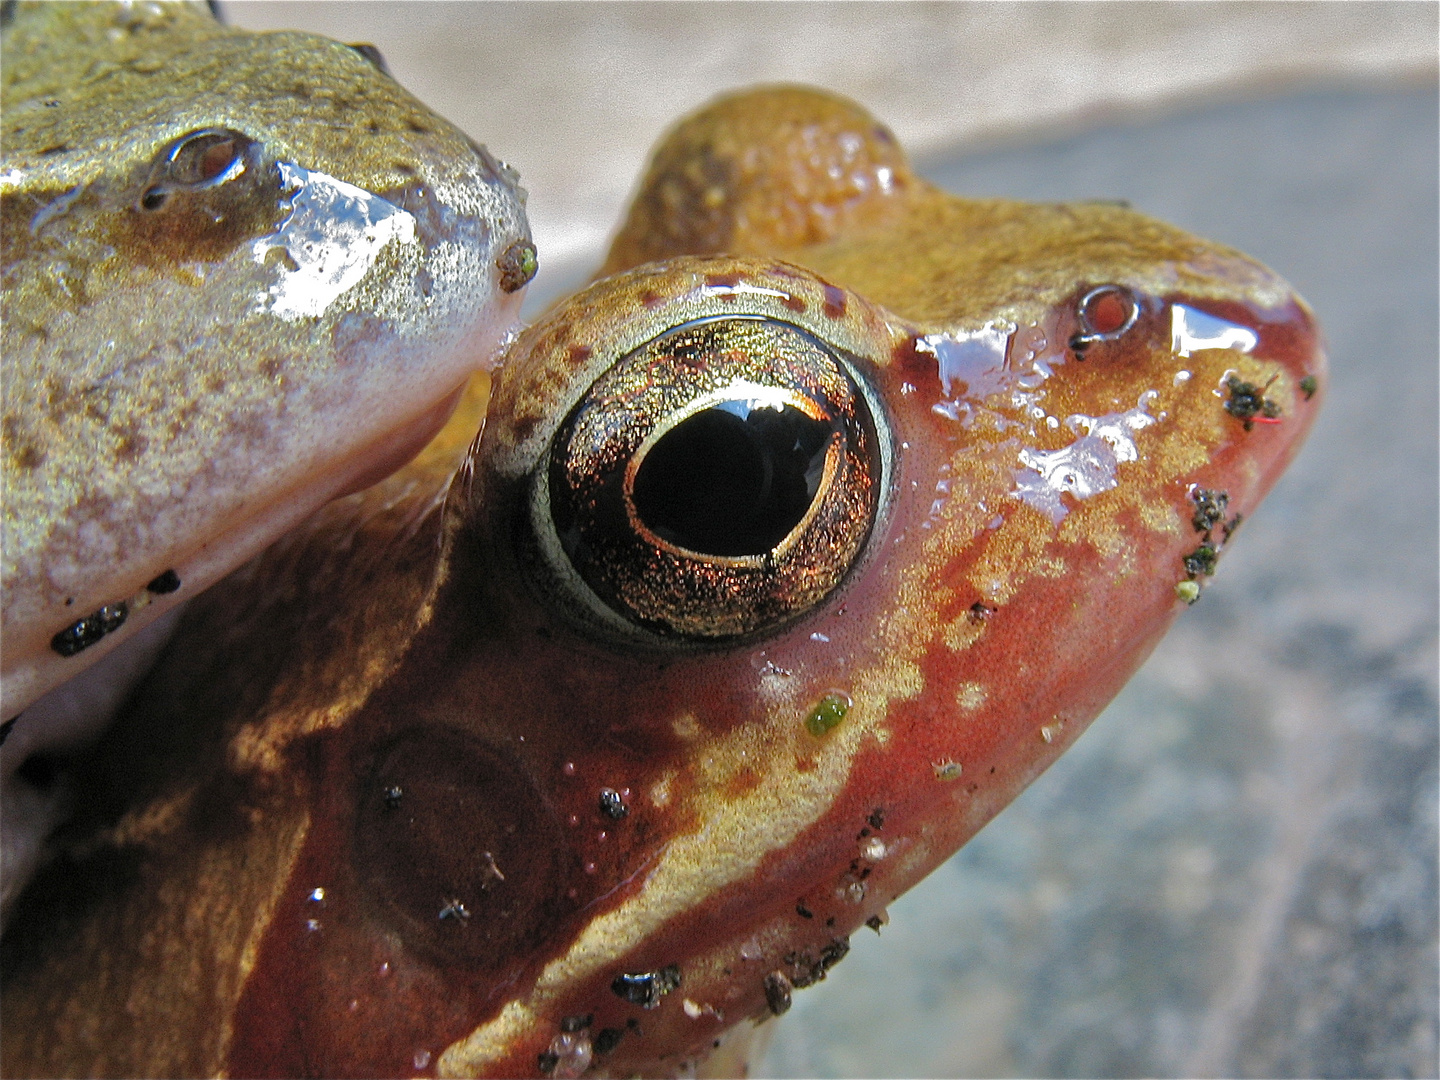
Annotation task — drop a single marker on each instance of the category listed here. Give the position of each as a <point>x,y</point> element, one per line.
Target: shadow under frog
<point>782,564</point>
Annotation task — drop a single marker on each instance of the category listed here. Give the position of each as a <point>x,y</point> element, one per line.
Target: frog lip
<point>396,448</point>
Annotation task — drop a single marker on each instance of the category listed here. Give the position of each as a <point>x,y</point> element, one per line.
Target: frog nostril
<point>1104,314</point>
<point>153,199</point>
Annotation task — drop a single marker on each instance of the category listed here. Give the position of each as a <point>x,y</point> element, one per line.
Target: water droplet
<point>1051,731</point>
<point>817,636</point>
<point>568,768</point>
<point>317,894</point>
<point>572,1051</point>
<point>873,849</point>
<point>1192,330</point>
<point>421,1059</point>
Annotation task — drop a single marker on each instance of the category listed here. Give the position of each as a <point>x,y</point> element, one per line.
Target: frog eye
<point>1104,314</point>
<point>198,161</point>
<point>717,482</point>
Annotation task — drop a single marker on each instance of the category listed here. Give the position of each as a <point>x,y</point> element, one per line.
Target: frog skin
<point>553,764</point>
<point>243,274</point>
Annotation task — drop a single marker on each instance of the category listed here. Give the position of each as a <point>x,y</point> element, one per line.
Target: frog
<point>789,551</point>
<point>243,274</point>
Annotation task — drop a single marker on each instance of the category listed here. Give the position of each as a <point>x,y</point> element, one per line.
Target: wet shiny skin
<point>447,804</point>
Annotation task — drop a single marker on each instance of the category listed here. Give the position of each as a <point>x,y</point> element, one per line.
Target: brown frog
<point>791,551</point>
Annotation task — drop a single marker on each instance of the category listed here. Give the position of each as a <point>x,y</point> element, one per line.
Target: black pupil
<point>732,480</point>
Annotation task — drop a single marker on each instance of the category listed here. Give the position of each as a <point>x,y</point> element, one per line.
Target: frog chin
<point>395,450</point>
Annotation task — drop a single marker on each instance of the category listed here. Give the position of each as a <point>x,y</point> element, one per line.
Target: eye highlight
<point>718,481</point>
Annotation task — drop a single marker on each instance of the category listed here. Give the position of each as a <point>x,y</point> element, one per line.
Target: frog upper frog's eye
<point>197,161</point>
<point>1104,314</point>
<point>717,481</point>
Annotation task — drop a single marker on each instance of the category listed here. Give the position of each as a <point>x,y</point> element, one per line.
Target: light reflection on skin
<point>333,235</point>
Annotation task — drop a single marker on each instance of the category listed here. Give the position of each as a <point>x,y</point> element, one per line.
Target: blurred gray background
<point>1234,871</point>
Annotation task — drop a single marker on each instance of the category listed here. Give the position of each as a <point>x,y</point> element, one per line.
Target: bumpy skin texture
<point>444,813</point>
<point>196,357</point>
